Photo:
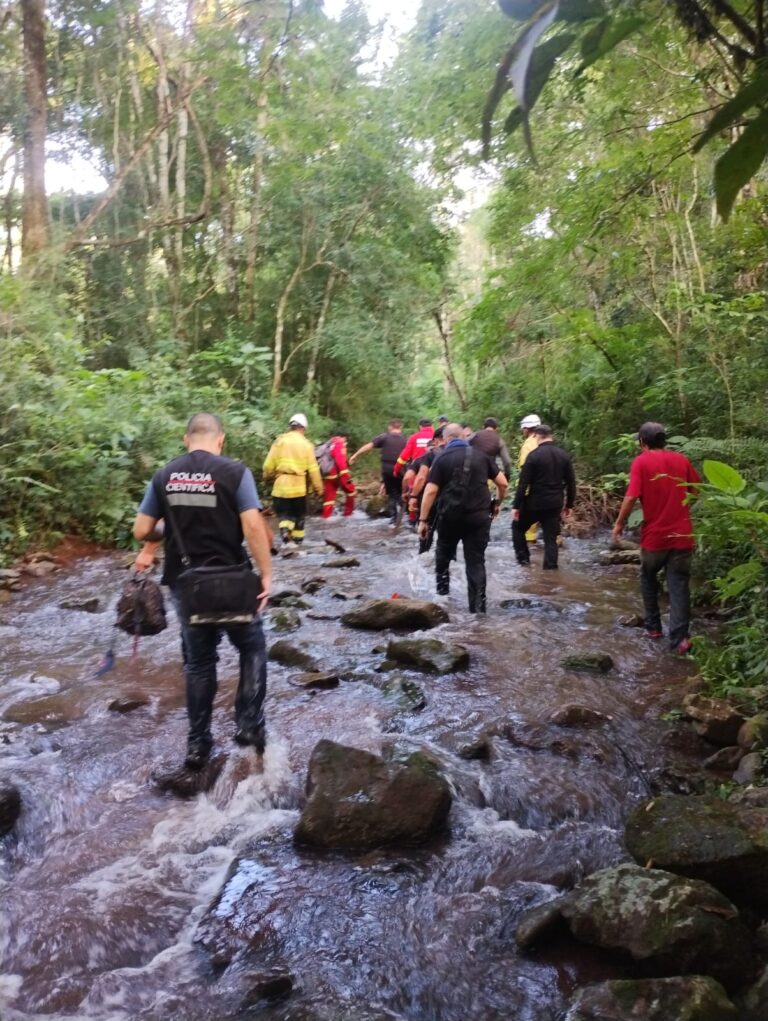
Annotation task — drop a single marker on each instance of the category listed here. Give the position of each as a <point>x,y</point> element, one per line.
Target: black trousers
<point>550,526</point>
<point>473,533</point>
<point>393,488</point>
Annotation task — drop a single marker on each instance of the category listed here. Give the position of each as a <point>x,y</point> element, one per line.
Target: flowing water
<point>106,885</point>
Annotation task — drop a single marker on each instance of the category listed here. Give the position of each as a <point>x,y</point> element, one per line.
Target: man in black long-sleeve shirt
<point>547,481</point>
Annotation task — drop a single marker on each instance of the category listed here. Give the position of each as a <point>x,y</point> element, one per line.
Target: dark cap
<point>444,419</point>
<point>425,422</point>
<point>490,423</point>
<point>543,430</point>
<point>652,434</point>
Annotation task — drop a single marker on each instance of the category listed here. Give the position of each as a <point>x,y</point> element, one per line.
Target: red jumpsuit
<point>416,446</point>
<point>339,477</point>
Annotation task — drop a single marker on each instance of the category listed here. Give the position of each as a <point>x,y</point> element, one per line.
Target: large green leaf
<point>723,477</point>
<point>604,37</point>
<point>740,163</point>
<point>542,62</point>
<point>753,94</point>
<point>740,578</point>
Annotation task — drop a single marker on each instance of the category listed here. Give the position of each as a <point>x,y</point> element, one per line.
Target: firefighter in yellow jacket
<point>290,460</point>
<point>530,442</point>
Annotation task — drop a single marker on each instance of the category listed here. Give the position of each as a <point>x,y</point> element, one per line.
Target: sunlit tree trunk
<point>34,223</point>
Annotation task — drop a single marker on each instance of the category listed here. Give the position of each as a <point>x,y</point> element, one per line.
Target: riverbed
<point>105,882</point>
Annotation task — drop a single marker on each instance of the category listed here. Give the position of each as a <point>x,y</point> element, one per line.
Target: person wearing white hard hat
<point>530,442</point>
<point>290,461</point>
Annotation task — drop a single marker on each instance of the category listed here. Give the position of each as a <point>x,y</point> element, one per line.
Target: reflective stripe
<point>298,533</point>
<point>286,524</point>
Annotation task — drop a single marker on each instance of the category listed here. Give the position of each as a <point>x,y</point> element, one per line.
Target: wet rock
<point>40,568</point>
<point>342,562</point>
<point>269,986</point>
<point>335,545</point>
<point>357,800</point>
<point>750,768</point>
<point>88,604</point>
<point>630,620</point>
<point>753,733</point>
<point>10,807</point>
<point>538,739</point>
<point>590,662</point>
<point>721,842</point>
<point>127,704</point>
<point>713,718</point>
<point>343,596</point>
<point>538,922</point>
<point>475,749</point>
<point>376,505</point>
<point>291,653</point>
<point>10,580</point>
<point>751,797</point>
<point>753,1002</point>
<point>315,679</point>
<point>387,666</point>
<point>619,556</point>
<point>520,603</point>
<point>319,615</point>
<point>674,924</point>
<point>396,614</point>
<point>428,654</point>
<point>623,544</point>
<point>575,715</point>
<point>284,619</point>
<point>406,695</point>
<point>5,597</point>
<point>312,585</point>
<point>291,598</point>
<point>187,783</point>
<point>724,760</point>
<point>681,998</point>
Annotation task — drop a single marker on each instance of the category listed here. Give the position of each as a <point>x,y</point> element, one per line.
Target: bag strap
<point>185,558</point>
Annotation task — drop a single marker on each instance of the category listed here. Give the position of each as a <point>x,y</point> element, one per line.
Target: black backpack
<point>450,504</point>
<point>141,608</point>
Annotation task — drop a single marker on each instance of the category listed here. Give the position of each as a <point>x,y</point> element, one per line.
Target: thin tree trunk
<point>34,219</point>
<point>444,330</point>
<point>252,237</point>
<point>315,354</point>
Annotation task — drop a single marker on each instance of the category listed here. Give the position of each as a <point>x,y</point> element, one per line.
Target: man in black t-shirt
<point>547,481</point>
<point>458,481</point>
<point>390,444</point>
<point>212,501</point>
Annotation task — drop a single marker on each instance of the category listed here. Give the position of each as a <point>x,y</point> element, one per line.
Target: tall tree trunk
<point>34,220</point>
<point>252,237</point>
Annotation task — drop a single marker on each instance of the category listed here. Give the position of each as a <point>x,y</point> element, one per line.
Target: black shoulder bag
<point>221,594</point>
<point>450,504</point>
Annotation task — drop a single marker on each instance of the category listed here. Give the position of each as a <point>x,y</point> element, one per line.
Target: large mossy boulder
<point>429,654</point>
<point>356,800</point>
<point>395,615</point>
<point>681,998</point>
<point>674,924</point>
<point>724,843</point>
<point>10,807</point>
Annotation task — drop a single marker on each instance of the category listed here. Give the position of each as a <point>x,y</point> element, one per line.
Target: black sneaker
<point>256,739</point>
<point>196,757</point>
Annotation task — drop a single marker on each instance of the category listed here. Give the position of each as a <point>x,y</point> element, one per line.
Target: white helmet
<point>530,422</point>
<point>299,419</point>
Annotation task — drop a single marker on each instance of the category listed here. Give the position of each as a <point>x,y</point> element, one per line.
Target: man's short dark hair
<point>444,419</point>
<point>204,422</point>
<point>653,435</point>
<point>439,432</point>
<point>543,430</point>
<point>424,422</point>
<point>490,423</point>
<point>395,423</point>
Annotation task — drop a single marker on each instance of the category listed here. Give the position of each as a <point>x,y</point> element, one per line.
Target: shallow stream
<point>104,883</point>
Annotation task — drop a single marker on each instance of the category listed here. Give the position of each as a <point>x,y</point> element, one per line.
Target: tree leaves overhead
<point>530,63</point>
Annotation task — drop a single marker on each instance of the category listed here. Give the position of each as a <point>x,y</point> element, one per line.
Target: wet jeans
<point>473,533</point>
<point>677,563</point>
<point>199,643</point>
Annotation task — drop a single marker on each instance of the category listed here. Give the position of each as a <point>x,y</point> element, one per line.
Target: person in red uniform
<point>339,477</point>
<point>662,481</point>
<point>415,446</point>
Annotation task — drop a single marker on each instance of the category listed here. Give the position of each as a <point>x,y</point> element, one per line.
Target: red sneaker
<point>684,648</point>
<point>653,634</point>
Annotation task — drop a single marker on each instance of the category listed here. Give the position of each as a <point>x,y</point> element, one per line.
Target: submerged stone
<point>357,800</point>
<point>315,679</point>
<point>396,615</point>
<point>10,807</point>
<point>590,662</point>
<point>575,715</point>
<point>284,619</point>
<point>405,694</point>
<point>127,703</point>
<point>291,653</point>
<point>681,998</point>
<point>268,986</point>
<point>342,562</point>
<point>428,654</point>
<point>187,783</point>
<point>724,843</point>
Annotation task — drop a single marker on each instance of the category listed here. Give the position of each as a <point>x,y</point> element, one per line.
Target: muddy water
<point>105,883</point>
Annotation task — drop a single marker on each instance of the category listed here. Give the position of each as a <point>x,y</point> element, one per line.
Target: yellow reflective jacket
<point>529,443</point>
<point>290,459</point>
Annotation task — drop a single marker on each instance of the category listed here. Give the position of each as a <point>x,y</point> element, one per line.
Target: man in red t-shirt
<point>662,481</point>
